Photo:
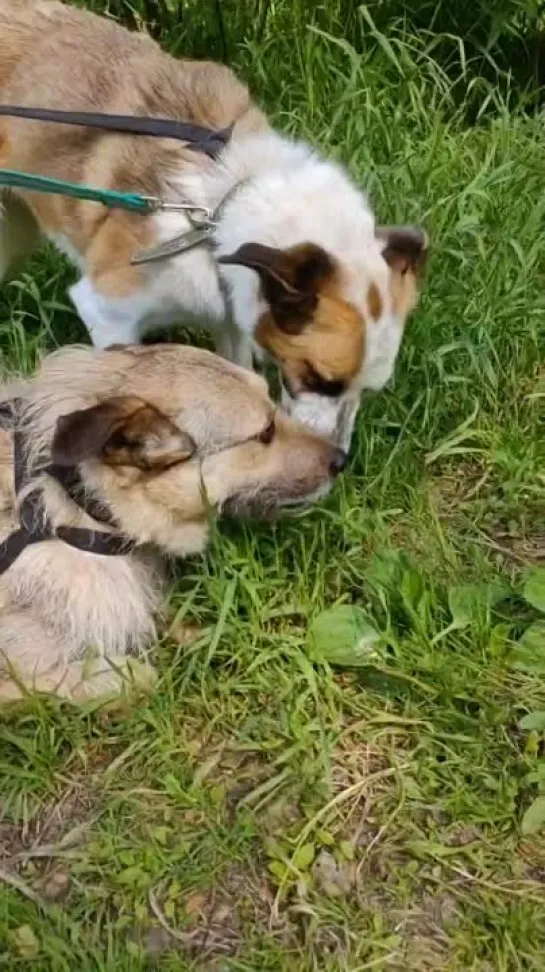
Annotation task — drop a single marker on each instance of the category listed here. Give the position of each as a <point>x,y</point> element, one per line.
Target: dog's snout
<point>338,462</point>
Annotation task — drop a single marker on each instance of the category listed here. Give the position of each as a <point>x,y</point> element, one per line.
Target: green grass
<point>277,813</point>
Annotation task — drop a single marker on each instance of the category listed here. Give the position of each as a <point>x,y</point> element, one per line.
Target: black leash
<point>34,525</point>
<point>198,138</point>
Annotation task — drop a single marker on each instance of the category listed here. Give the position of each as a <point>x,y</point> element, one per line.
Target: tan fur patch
<point>115,242</point>
<point>332,343</point>
<point>374,301</point>
<point>122,431</point>
<point>404,292</point>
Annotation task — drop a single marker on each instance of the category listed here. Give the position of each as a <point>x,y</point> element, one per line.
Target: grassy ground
<point>265,810</point>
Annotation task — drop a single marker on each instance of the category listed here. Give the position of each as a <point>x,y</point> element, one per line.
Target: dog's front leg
<point>109,320</point>
<point>113,297</point>
<point>235,346</point>
<point>33,659</point>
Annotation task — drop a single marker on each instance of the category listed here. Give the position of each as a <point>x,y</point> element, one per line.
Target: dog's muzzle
<point>332,419</point>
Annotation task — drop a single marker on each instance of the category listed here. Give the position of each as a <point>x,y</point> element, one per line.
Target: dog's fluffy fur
<point>160,436</point>
<point>312,281</point>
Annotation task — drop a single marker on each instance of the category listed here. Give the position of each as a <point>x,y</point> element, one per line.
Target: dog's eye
<point>267,435</point>
<point>314,382</point>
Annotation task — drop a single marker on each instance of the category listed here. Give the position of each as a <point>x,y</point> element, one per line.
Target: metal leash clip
<point>202,227</point>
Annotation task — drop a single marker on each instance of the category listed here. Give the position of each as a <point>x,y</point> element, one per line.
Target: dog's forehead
<point>212,398</point>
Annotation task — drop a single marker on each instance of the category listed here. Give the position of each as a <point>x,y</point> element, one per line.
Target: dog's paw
<point>110,680</point>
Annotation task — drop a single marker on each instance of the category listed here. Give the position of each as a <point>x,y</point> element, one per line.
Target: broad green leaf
<point>534,589</point>
<point>412,588</point>
<point>161,835</point>
<point>172,785</point>
<point>534,720</point>
<point>428,848</point>
<point>533,638</point>
<point>529,653</point>
<point>385,570</point>
<point>344,636</point>
<point>469,602</point>
<point>412,789</point>
<point>133,876</point>
<point>325,837</point>
<point>347,850</point>
<point>536,777</point>
<point>275,850</point>
<point>303,857</point>
<point>26,942</point>
<point>278,869</point>
<point>534,818</point>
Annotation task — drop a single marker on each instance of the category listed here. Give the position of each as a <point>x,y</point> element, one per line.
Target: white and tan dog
<point>110,462</point>
<point>298,269</point>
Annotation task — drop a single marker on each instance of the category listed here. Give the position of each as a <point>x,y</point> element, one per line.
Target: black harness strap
<point>70,479</point>
<point>198,138</point>
<point>6,414</point>
<point>29,512</point>
<point>16,543</point>
<point>34,524</point>
<point>95,541</point>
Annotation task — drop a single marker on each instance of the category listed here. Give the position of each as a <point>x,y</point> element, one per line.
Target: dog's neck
<point>246,157</point>
<point>270,189</point>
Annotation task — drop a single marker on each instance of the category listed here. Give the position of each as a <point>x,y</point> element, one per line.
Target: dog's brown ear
<point>290,279</point>
<point>405,247</point>
<point>123,431</point>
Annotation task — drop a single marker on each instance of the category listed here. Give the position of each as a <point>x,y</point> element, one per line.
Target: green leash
<point>200,217</point>
<point>108,197</point>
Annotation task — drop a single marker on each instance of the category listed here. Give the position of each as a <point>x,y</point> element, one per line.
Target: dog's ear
<point>290,279</point>
<point>405,247</point>
<point>123,431</point>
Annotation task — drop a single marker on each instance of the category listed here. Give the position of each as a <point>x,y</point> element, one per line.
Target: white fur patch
<point>109,320</point>
<point>316,411</point>
<point>108,604</point>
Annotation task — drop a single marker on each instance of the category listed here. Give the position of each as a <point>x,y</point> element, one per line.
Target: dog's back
<point>18,22</point>
<point>15,34</point>
<point>80,60</point>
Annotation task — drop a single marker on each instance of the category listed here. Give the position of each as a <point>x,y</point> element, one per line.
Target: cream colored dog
<point>110,460</point>
<point>295,267</point>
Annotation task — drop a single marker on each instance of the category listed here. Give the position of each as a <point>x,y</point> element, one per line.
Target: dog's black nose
<point>338,462</point>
